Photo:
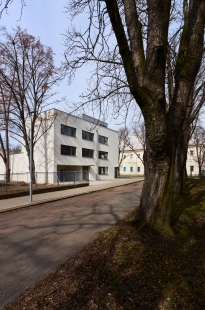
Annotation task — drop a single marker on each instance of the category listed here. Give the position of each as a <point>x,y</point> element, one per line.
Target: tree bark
<point>159,158</point>
<point>8,170</point>
<point>156,200</point>
<point>181,157</point>
<point>5,157</point>
<point>200,171</point>
<point>118,171</point>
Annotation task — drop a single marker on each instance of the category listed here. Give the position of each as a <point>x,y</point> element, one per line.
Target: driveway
<point>35,240</point>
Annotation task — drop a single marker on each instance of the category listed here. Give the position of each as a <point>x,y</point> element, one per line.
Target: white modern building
<point>72,143</point>
<point>132,159</point>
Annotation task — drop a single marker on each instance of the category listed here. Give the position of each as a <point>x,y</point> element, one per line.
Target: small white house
<point>132,159</point>
<point>72,143</point>
<point>194,159</point>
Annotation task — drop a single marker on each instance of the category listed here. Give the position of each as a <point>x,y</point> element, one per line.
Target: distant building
<point>192,164</point>
<point>132,159</point>
<point>72,143</point>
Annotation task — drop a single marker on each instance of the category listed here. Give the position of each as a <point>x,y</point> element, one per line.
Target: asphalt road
<point>35,240</point>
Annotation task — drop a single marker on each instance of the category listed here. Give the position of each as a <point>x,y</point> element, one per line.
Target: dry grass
<point>123,269</point>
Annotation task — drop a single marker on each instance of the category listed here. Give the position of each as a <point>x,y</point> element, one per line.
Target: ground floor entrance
<point>72,173</point>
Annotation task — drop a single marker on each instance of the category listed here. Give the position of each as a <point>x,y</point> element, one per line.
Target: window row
<point>86,135</point>
<point>131,169</point>
<point>71,150</point>
<point>68,150</point>
<point>130,156</point>
<point>103,170</point>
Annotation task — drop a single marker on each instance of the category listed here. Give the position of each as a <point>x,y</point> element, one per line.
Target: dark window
<point>103,155</point>
<point>103,170</point>
<point>124,169</point>
<point>131,169</point>
<point>68,131</point>
<point>87,153</point>
<point>138,169</point>
<point>68,150</point>
<point>191,153</point>
<point>103,140</point>
<point>191,168</point>
<point>86,135</point>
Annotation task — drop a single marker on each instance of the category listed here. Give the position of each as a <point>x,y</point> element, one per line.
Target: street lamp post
<point>31,157</point>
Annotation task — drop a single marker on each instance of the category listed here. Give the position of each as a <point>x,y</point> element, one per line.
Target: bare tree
<point>128,42</point>
<point>123,142</point>
<point>27,70</point>
<point>139,132</point>
<point>4,4</point>
<point>5,110</point>
<point>194,107</point>
<point>130,142</point>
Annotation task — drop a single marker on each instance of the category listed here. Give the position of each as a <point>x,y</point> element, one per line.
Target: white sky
<point>45,19</point>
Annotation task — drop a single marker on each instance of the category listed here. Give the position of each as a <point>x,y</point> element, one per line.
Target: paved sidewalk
<point>24,201</point>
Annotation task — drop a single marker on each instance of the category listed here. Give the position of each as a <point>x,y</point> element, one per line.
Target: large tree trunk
<point>156,200</point>
<point>180,162</point>
<point>159,159</point>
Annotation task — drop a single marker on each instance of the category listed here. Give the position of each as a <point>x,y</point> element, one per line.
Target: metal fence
<point>71,176</point>
<point>58,177</point>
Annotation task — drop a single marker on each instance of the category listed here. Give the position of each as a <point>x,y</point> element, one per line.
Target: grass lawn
<point>124,269</point>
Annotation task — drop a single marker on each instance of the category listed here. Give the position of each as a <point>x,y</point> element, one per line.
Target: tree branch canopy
<point>27,75</point>
<point>160,45</point>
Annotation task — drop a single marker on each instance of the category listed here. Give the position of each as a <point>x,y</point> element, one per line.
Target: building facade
<point>70,143</point>
<point>195,160</point>
<point>131,159</point>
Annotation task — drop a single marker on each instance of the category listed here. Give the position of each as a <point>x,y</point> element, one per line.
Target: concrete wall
<point>18,166</point>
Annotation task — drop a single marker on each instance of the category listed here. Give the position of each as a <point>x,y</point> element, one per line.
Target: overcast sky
<point>47,20</point>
